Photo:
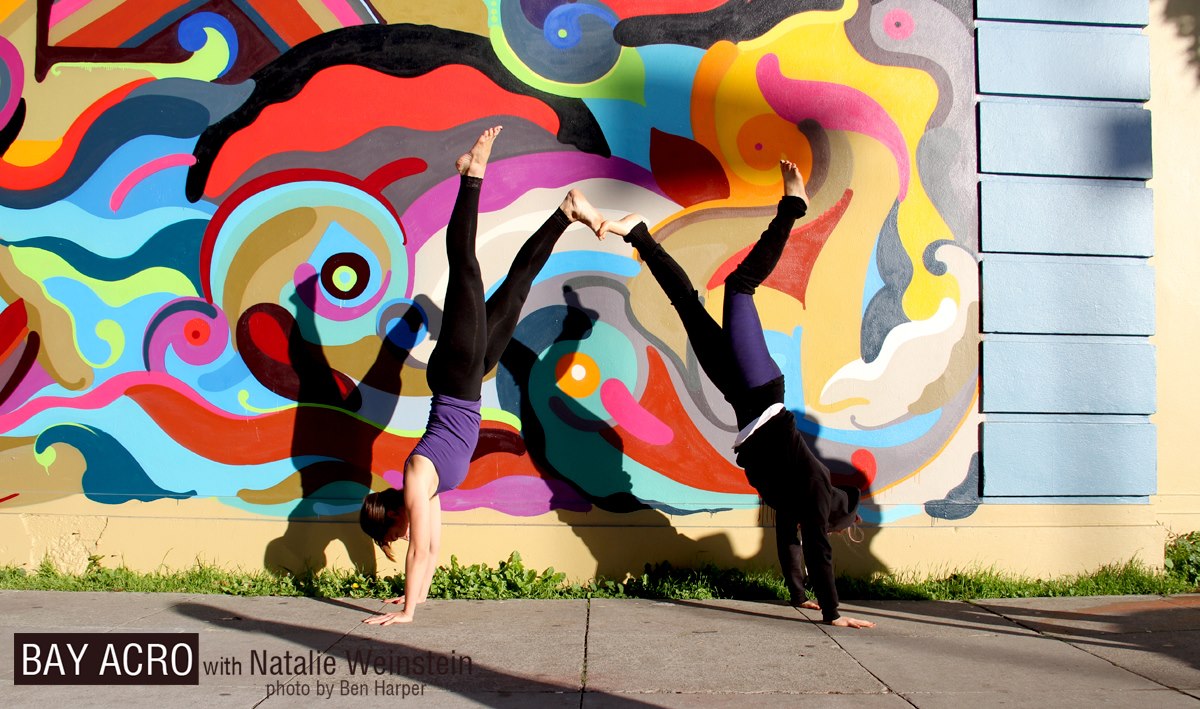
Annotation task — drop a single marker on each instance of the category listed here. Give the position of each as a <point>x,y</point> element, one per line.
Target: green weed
<point>709,581</point>
<point>1130,578</point>
<point>510,579</point>
<point>1183,557</point>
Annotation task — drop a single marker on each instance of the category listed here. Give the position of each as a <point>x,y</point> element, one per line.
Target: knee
<point>740,282</point>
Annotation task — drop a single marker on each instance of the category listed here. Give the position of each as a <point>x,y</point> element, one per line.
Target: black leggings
<point>735,357</point>
<point>474,333</point>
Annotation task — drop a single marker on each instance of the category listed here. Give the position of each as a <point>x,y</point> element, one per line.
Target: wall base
<point>1030,540</point>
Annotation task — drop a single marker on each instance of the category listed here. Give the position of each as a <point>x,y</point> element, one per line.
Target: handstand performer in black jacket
<point>777,461</point>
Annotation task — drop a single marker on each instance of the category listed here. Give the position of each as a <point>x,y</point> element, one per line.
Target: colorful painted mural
<point>222,227</point>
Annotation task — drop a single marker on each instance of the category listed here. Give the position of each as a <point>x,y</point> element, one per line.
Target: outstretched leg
<point>742,325</point>
<point>761,260</point>
<point>504,307</point>
<point>735,357</point>
<point>456,364</point>
<point>704,334</point>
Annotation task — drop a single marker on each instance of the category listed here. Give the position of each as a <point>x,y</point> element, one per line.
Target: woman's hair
<point>854,533</point>
<point>374,519</point>
<point>843,508</point>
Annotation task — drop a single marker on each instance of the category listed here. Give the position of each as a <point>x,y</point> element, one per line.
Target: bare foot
<point>844,622</point>
<point>793,181</point>
<point>474,163</point>
<point>620,227</point>
<point>578,209</point>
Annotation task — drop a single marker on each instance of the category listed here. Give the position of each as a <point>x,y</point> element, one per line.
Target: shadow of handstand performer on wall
<point>334,433</point>
<point>552,339</point>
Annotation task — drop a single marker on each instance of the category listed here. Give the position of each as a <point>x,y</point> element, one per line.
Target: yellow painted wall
<point>1175,106</point>
<point>1032,540</point>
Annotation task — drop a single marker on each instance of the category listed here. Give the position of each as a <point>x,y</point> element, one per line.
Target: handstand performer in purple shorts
<point>474,335</point>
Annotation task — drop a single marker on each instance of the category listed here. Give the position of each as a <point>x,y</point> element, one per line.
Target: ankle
<point>639,237</point>
<point>792,206</point>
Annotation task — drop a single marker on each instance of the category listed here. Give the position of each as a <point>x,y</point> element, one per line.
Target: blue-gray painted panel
<point>1110,12</point>
<point>1068,295</point>
<point>1068,375</point>
<point>1051,458</point>
<point>1048,60</point>
<point>1048,216</point>
<point>1044,500</point>
<point>1070,418</point>
<point>1039,137</point>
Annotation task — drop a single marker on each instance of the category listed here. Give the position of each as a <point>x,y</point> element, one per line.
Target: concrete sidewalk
<point>1132,651</point>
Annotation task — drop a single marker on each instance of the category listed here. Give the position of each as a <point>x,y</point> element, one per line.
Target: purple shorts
<point>450,439</point>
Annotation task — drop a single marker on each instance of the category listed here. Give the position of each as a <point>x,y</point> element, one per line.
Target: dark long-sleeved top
<point>786,474</point>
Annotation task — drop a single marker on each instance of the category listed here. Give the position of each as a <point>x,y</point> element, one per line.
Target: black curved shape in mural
<point>400,50</point>
<point>735,21</point>
<point>12,129</point>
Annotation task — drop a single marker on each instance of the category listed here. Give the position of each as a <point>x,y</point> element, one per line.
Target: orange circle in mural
<point>577,375</point>
<point>196,331</point>
<point>764,140</point>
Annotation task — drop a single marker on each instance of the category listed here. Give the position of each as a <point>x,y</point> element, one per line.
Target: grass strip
<point>511,579</point>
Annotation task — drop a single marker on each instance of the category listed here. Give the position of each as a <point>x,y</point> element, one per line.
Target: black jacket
<point>786,474</point>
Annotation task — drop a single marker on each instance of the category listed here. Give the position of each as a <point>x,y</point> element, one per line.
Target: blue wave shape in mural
<point>175,246</point>
<point>112,475</point>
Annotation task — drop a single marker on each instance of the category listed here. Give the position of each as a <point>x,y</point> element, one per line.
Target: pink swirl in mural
<point>192,328</point>
<point>835,107</point>
<point>14,70</point>
<point>631,416</point>
<point>137,176</point>
<point>518,495</point>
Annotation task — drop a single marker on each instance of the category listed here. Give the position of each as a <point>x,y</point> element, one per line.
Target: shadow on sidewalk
<point>1164,626</point>
<point>705,606</point>
<point>1155,637</point>
<point>482,677</point>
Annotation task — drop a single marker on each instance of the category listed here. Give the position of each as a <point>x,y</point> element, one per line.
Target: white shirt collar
<point>771,411</point>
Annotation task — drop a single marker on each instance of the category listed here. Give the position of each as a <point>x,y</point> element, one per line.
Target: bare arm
<point>419,483</point>
<point>435,545</point>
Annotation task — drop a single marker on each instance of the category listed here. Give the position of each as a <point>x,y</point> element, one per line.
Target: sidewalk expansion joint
<point>587,626</point>
<point>886,688</point>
